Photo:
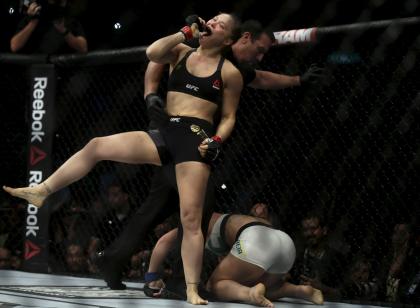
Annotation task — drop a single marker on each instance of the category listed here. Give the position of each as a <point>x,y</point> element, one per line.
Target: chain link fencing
<point>347,146</point>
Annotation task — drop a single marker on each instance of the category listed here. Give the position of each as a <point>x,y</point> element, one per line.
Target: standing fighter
<point>250,49</point>
<point>192,101</point>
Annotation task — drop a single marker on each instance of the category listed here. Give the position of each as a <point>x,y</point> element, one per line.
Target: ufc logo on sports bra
<point>192,87</point>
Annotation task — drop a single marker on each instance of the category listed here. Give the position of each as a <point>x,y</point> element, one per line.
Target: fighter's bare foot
<point>257,296</point>
<point>192,295</point>
<point>195,299</point>
<point>312,295</point>
<point>34,195</point>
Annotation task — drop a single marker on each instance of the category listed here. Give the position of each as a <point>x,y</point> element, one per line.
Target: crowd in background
<point>324,260</point>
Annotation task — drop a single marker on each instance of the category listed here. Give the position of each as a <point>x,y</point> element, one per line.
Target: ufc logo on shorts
<point>192,87</point>
<point>175,120</point>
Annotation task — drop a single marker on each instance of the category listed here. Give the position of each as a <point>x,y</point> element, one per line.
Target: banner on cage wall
<point>41,132</point>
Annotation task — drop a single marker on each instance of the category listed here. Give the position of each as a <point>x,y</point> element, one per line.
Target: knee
<point>191,221</point>
<point>93,146</point>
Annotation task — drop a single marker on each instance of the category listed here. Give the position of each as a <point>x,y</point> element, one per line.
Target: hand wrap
<point>193,28</point>
<point>214,148</point>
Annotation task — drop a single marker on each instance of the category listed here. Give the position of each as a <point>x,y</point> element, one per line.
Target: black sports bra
<point>209,88</point>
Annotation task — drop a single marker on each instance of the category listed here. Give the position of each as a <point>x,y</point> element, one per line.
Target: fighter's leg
<point>131,147</point>
<point>192,179</point>
<point>231,279</point>
<point>277,288</point>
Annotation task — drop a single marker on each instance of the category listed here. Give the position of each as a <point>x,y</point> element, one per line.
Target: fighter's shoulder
<point>231,69</point>
<point>247,71</point>
<point>180,51</point>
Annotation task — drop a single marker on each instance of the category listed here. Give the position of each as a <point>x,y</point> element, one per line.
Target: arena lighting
<point>223,186</point>
<point>11,10</point>
<point>117,26</point>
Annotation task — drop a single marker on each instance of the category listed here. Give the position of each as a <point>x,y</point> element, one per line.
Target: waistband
<point>189,120</point>
<point>222,227</point>
<point>254,223</point>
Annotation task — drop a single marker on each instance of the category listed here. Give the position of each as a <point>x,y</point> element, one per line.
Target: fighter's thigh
<point>192,180</point>
<point>232,268</point>
<point>131,147</point>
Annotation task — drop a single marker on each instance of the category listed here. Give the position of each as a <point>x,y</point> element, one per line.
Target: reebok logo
<point>35,177</point>
<point>38,110</point>
<point>31,250</point>
<point>216,84</point>
<point>36,155</point>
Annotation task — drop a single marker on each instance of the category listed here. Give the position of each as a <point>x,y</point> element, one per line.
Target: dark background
<point>146,20</point>
<point>349,146</point>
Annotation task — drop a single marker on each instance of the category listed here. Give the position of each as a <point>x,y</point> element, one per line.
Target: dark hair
<point>236,30</point>
<point>256,29</point>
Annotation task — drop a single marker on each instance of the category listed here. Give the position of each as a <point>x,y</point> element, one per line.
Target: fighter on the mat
<point>256,259</point>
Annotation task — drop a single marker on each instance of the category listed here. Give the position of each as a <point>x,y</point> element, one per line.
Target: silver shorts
<point>271,249</point>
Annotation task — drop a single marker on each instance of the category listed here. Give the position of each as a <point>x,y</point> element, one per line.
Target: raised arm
<point>75,42</point>
<point>166,49</point>
<point>20,39</point>
<point>78,43</point>
<point>152,77</point>
<point>154,103</point>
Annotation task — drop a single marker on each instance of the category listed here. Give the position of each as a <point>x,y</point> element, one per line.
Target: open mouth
<point>207,31</point>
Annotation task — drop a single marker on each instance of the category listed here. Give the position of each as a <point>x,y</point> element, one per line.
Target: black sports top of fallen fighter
<point>209,88</point>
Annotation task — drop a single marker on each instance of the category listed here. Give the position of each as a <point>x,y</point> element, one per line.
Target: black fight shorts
<point>178,141</point>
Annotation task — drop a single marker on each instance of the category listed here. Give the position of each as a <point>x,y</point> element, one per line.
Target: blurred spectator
<point>92,248</point>
<point>119,210</point>
<point>139,264</point>
<point>359,283</point>
<point>47,29</point>
<point>409,286</point>
<point>76,259</point>
<point>317,263</point>
<point>12,229</point>
<point>97,207</point>
<point>16,262</point>
<point>5,258</point>
<point>393,263</point>
<point>71,224</point>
